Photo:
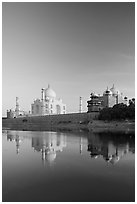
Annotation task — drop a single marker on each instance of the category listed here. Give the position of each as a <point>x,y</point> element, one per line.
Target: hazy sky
<point>75,47</point>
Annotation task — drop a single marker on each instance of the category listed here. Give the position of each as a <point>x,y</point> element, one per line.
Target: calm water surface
<point>53,166</point>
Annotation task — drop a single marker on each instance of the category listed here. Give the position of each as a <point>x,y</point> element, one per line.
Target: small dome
<point>125,98</point>
<point>114,90</point>
<point>107,92</point>
<point>114,159</point>
<point>94,95</point>
<point>49,93</point>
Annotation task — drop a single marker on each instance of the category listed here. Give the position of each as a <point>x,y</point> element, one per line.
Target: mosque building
<point>48,104</point>
<point>109,98</point>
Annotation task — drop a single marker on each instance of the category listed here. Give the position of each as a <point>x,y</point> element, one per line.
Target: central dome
<point>49,93</point>
<point>50,156</point>
<point>114,90</point>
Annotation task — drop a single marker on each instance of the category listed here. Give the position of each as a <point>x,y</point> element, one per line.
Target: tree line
<point>119,112</point>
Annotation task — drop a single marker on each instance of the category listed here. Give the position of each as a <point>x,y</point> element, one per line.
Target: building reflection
<point>14,138</point>
<point>49,145</point>
<point>110,146</point>
<point>80,145</point>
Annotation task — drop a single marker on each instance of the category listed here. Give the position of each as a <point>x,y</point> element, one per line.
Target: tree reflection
<point>112,147</point>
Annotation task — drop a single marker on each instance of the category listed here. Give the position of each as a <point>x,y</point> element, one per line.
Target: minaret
<point>43,154</point>
<point>126,100</point>
<point>42,100</point>
<point>117,98</point>
<point>42,94</point>
<point>17,107</point>
<point>80,104</point>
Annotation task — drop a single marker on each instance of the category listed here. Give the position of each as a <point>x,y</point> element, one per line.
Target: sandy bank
<point>101,126</point>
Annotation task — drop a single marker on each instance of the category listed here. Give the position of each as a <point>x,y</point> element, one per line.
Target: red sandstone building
<point>109,98</point>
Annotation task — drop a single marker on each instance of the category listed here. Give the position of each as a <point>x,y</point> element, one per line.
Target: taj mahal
<point>47,105</point>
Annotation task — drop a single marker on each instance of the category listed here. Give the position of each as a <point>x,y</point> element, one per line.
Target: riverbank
<point>50,122</point>
<point>99,126</point>
<point>68,122</point>
<point>111,126</point>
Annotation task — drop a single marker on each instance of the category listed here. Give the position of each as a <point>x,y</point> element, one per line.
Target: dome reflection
<point>49,145</point>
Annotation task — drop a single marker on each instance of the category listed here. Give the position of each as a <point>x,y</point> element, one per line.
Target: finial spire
<point>48,85</point>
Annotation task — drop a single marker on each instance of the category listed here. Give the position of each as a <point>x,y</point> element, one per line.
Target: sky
<point>76,47</point>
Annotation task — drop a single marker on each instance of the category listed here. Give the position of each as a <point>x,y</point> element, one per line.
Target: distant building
<point>17,112</point>
<point>109,98</point>
<point>13,114</point>
<point>48,104</point>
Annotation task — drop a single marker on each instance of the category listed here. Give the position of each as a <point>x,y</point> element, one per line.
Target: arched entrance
<point>58,109</point>
<point>37,109</point>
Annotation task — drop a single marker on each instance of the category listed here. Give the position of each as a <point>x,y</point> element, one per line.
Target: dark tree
<point>119,112</point>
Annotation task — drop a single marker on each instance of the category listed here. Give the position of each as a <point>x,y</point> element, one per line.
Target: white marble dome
<point>50,156</point>
<point>49,93</point>
<point>114,90</point>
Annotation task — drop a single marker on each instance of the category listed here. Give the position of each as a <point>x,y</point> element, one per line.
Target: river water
<point>68,167</point>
